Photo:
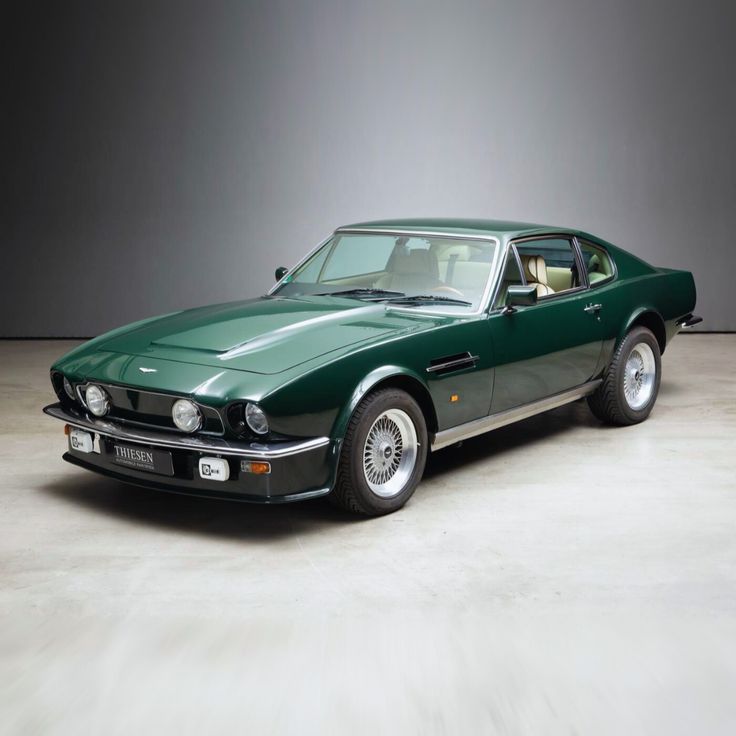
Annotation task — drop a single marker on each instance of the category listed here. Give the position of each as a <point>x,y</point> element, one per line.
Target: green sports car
<point>389,340</point>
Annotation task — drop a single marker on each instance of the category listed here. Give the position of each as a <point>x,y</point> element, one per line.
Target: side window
<point>597,262</point>
<point>511,277</point>
<point>550,264</point>
<point>356,255</point>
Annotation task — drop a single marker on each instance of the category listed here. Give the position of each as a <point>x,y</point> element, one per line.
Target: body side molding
<point>494,421</point>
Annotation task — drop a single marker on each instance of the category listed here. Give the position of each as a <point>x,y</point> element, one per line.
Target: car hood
<point>266,335</point>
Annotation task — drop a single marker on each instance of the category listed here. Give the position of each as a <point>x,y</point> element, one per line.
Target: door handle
<point>593,308</point>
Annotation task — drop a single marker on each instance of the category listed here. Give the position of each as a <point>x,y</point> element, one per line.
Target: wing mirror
<point>520,296</point>
<point>281,271</point>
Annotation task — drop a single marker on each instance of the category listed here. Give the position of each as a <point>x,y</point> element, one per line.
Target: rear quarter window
<point>597,263</point>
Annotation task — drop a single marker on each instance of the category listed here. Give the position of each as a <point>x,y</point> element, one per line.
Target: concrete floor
<point>553,577</point>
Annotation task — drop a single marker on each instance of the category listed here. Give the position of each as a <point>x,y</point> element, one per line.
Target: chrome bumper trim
<point>494,421</point>
<point>253,450</point>
<point>688,321</point>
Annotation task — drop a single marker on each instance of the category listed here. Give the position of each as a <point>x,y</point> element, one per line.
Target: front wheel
<point>631,382</point>
<point>383,455</point>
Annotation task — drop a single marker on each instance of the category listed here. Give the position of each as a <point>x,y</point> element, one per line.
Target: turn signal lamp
<point>259,468</point>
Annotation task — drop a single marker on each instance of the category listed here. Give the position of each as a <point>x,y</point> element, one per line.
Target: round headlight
<point>96,400</point>
<point>186,415</point>
<point>68,389</point>
<point>256,419</point>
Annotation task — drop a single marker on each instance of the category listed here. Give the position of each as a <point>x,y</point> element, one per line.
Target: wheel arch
<point>389,377</point>
<point>652,320</point>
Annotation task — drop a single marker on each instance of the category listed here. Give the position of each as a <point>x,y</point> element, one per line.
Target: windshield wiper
<point>376,293</point>
<point>430,299</point>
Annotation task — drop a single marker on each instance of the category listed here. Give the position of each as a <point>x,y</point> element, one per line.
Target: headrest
<point>594,264</point>
<point>419,261</point>
<point>535,269</point>
<point>460,250</point>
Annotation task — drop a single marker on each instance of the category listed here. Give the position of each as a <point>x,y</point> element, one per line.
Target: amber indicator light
<point>258,468</point>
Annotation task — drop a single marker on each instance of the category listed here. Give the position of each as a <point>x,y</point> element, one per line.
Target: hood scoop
<point>288,332</point>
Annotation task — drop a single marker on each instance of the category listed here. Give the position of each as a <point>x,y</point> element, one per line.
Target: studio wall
<point>168,154</point>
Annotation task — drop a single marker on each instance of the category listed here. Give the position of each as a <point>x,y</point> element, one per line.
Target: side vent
<point>452,363</point>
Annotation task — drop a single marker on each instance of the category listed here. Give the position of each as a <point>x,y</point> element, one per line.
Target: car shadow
<point>218,518</point>
<point>486,447</point>
<point>248,522</point>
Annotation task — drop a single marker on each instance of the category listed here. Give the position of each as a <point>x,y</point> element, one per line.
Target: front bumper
<point>299,468</point>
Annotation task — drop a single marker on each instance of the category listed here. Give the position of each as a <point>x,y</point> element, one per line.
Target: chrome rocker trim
<point>252,450</point>
<point>501,419</point>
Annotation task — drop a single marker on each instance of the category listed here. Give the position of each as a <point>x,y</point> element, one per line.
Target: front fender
<point>368,383</point>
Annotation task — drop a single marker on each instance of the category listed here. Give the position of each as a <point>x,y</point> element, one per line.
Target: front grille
<point>151,409</point>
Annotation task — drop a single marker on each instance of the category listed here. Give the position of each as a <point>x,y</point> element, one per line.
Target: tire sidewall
<point>636,336</point>
<point>380,402</point>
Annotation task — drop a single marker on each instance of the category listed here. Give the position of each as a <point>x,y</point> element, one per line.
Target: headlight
<point>186,415</point>
<point>256,419</point>
<point>96,400</point>
<point>68,389</point>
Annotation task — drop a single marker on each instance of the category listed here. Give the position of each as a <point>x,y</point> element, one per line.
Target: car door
<point>554,345</point>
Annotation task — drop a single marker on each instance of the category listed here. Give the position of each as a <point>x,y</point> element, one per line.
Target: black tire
<point>609,402</point>
<point>352,491</point>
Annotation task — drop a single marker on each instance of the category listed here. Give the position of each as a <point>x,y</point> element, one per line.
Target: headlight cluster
<point>246,416</point>
<point>96,399</point>
<point>256,419</point>
<point>69,389</point>
<point>186,415</point>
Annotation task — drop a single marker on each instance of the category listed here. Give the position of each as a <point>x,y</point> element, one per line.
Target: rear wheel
<point>631,382</point>
<point>383,455</point>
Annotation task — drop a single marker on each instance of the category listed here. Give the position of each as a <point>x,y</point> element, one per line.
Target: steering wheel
<point>449,290</point>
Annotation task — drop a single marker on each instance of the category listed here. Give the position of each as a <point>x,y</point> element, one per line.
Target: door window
<point>549,264</point>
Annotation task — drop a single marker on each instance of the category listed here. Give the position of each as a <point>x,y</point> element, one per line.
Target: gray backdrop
<point>163,155</point>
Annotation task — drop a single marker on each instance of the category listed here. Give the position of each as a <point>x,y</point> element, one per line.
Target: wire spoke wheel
<point>390,453</point>
<point>640,373</point>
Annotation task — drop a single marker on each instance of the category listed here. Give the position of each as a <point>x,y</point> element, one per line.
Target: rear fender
<point>648,317</point>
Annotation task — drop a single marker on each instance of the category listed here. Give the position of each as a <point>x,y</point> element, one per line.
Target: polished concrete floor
<point>554,577</point>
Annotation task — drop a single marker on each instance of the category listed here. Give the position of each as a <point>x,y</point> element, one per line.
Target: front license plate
<point>143,458</point>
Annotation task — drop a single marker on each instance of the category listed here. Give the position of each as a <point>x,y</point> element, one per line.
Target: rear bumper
<point>688,321</point>
<point>300,469</point>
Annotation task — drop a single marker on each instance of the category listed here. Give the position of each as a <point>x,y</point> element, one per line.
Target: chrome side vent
<point>452,363</point>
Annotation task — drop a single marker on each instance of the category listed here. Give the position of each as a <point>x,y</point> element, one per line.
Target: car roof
<point>459,226</point>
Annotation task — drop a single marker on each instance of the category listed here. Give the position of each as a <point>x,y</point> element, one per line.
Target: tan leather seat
<point>535,270</point>
<point>414,270</point>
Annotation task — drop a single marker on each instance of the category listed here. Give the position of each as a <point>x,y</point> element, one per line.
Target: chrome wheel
<point>639,376</point>
<point>390,453</point>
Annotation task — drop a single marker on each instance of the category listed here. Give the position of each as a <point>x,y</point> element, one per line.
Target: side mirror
<point>520,296</point>
<point>281,271</point>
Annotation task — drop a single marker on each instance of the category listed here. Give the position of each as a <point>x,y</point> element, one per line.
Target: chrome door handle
<point>593,308</point>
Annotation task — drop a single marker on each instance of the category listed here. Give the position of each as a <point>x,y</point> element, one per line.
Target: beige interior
<point>411,270</point>
<point>535,271</point>
<point>559,278</point>
<point>465,275</point>
<point>599,268</point>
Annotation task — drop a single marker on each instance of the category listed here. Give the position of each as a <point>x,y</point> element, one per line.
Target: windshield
<point>406,269</point>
